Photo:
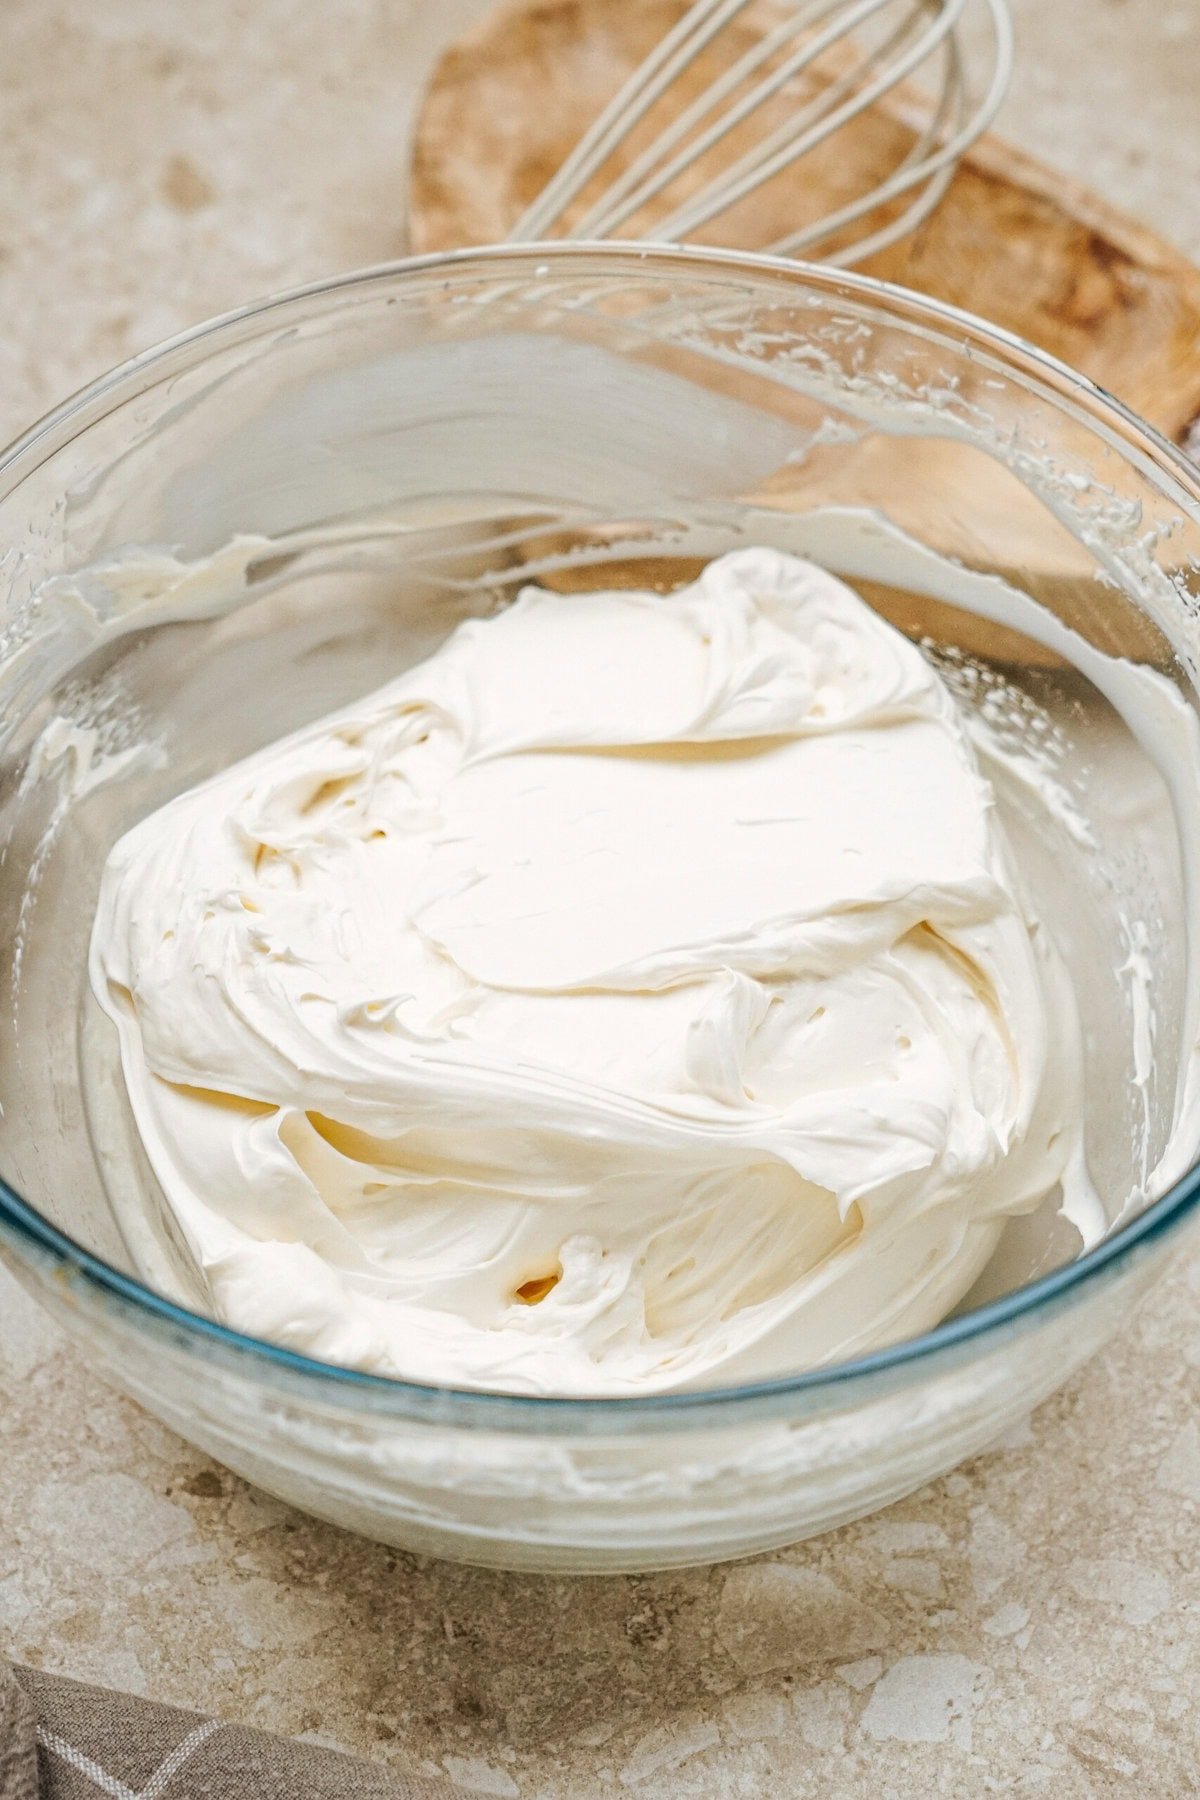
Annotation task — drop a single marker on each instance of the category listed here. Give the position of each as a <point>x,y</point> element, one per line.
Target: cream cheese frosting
<point>638,994</point>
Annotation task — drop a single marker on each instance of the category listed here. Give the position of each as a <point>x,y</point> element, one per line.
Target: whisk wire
<point>950,109</point>
<point>812,114</point>
<point>938,167</point>
<point>607,213</point>
<point>606,218</point>
<point>648,82</point>
<point>899,226</point>
<point>760,165</point>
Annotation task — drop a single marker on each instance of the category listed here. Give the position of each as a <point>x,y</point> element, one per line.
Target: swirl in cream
<point>638,994</point>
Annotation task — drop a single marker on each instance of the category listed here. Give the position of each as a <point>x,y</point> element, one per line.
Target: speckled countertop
<point>1030,1624</point>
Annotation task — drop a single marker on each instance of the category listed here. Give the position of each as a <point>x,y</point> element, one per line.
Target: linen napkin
<point>61,1740</point>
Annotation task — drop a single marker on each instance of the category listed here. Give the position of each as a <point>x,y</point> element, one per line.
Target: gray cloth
<point>60,1740</point>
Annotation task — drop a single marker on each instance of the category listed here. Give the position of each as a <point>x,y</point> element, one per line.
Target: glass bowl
<point>244,528</point>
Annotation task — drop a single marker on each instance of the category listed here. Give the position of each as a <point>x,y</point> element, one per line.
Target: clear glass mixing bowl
<point>244,528</point>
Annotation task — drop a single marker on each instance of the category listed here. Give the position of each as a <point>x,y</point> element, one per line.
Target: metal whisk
<point>869,47</point>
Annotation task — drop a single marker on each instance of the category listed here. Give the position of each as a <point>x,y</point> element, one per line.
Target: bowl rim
<point>36,1241</point>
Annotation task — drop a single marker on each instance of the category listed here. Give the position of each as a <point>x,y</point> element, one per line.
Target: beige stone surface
<point>1028,1625</point>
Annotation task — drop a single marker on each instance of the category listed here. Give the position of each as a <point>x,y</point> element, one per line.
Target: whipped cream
<point>638,994</point>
